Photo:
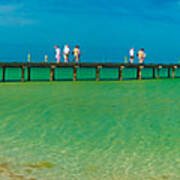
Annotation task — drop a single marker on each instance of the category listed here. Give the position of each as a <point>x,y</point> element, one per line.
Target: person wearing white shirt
<point>66,53</point>
<point>131,54</point>
<point>58,54</point>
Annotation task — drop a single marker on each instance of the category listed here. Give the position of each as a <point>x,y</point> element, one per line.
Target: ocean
<point>88,130</point>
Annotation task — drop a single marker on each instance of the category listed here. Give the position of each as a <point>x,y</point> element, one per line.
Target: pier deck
<point>98,66</point>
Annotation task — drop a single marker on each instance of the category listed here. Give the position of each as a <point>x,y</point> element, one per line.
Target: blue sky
<point>105,30</point>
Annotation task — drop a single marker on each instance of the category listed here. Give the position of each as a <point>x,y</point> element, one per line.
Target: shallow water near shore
<point>90,130</point>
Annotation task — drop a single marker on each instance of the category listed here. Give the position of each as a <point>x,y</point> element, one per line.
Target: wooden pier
<point>98,66</point>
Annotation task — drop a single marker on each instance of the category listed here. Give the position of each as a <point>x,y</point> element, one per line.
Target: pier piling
<point>173,71</point>
<point>52,77</point>
<point>29,74</point>
<point>120,72</point>
<point>4,73</point>
<point>75,73</point>
<point>169,72</point>
<point>158,71</point>
<point>98,73</point>
<point>22,73</point>
<point>154,73</point>
<point>139,72</point>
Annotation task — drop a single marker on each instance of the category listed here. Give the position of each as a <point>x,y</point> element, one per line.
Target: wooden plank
<point>106,65</point>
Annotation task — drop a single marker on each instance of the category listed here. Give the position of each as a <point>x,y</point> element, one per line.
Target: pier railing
<point>98,66</point>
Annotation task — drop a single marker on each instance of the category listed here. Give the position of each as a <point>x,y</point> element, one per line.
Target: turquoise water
<point>115,130</point>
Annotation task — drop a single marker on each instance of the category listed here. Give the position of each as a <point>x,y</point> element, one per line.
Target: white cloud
<point>12,14</point>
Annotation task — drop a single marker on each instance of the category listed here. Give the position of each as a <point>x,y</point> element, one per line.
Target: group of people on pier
<point>76,53</point>
<point>66,53</point>
<point>141,55</point>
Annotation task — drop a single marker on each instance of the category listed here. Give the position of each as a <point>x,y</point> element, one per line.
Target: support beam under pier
<point>120,72</point>
<point>29,74</point>
<point>139,72</point>
<point>98,73</point>
<point>169,72</point>
<point>173,71</point>
<point>22,73</point>
<point>4,73</point>
<point>52,76</point>
<point>154,73</point>
<point>158,72</point>
<point>75,73</point>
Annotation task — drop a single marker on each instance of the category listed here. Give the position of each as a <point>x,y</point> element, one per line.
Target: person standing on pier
<point>58,54</point>
<point>141,56</point>
<point>66,53</point>
<point>131,54</point>
<point>76,53</point>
